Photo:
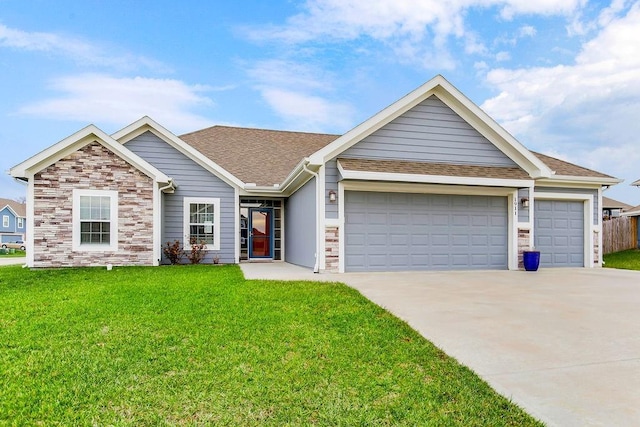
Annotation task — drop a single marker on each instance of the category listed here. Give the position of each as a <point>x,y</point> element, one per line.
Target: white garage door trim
<point>589,227</point>
<point>386,187</point>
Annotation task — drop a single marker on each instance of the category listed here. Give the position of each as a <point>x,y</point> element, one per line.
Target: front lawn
<point>627,260</point>
<point>17,254</point>
<point>200,345</point>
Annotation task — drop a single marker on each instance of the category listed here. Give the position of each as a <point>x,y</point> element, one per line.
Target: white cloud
<point>503,56</point>
<point>76,49</point>
<point>106,99</point>
<point>308,112</point>
<point>291,90</point>
<point>586,111</point>
<point>527,31</point>
<point>413,29</point>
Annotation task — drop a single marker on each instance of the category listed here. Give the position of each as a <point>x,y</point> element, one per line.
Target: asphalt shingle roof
<point>267,157</point>
<point>439,169</point>
<point>569,169</point>
<point>260,156</point>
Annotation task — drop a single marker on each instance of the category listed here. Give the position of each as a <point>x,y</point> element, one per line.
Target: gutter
<point>170,186</point>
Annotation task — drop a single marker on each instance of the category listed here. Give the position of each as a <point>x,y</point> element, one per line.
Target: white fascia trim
<point>375,122</point>
<point>404,187</point>
<point>78,140</point>
<point>15,214</point>
<point>146,123</point>
<point>432,179</point>
<point>491,130</point>
<point>565,180</point>
<point>458,102</point>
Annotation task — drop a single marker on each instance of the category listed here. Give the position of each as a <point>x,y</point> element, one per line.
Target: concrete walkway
<point>562,343</point>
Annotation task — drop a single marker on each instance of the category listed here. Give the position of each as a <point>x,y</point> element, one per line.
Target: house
<point>431,182</point>
<point>612,208</point>
<point>13,215</point>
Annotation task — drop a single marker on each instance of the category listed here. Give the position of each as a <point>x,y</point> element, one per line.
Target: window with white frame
<point>20,222</point>
<point>95,220</point>
<point>202,221</point>
<point>5,221</point>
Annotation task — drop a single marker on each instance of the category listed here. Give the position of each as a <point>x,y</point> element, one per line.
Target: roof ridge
<point>261,129</point>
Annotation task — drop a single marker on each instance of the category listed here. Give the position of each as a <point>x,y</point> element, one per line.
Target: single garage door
<point>559,232</point>
<point>398,231</point>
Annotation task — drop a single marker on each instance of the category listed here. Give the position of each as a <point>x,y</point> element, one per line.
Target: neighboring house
<point>429,183</point>
<point>14,220</point>
<point>612,208</point>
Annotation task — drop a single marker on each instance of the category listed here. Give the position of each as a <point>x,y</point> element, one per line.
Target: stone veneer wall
<point>332,249</point>
<point>596,248</point>
<point>97,168</point>
<point>524,239</point>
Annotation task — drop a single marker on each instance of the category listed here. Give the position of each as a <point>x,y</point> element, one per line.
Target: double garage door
<point>398,232</point>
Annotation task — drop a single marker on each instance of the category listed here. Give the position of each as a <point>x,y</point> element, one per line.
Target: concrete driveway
<point>564,344</point>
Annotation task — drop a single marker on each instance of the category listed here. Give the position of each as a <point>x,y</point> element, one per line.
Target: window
<point>202,221</point>
<point>20,222</point>
<point>5,221</point>
<point>95,220</point>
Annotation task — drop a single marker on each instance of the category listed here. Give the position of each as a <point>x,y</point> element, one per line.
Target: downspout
<point>158,208</point>
<point>316,267</point>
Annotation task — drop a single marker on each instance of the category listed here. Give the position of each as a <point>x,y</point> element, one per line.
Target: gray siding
<point>587,191</point>
<point>192,181</point>
<point>332,176</point>
<point>300,226</point>
<point>430,132</point>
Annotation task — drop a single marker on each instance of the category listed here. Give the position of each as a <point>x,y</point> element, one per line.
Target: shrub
<point>173,252</point>
<point>197,252</point>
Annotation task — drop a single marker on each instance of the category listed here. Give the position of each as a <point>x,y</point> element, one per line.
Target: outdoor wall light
<point>524,202</point>
<point>332,196</point>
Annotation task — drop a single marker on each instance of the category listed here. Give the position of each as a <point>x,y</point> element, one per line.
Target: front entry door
<point>260,233</point>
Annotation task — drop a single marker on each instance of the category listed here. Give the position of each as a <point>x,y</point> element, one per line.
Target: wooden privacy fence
<point>619,234</point>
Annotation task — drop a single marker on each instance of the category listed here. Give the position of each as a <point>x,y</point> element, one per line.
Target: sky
<point>562,76</point>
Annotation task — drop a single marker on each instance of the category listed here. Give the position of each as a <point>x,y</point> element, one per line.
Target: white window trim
<point>5,221</point>
<point>113,245</point>
<point>215,201</point>
<point>20,222</point>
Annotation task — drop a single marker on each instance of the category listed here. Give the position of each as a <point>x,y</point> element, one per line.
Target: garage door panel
<point>559,232</point>
<point>440,219</point>
<point>440,240</point>
<point>425,231</point>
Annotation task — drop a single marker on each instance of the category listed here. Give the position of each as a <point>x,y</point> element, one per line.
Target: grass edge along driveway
<point>200,345</point>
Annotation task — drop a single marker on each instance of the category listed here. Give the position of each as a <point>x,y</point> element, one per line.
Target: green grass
<point>17,254</point>
<point>627,260</point>
<point>188,345</point>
